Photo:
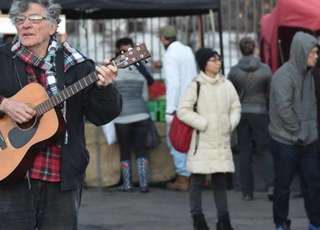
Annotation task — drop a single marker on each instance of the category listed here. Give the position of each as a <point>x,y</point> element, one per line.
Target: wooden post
<point>201,31</point>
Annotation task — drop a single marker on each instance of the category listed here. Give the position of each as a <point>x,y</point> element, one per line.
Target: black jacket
<point>97,105</point>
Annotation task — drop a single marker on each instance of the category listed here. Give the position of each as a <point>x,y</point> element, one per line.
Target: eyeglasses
<point>314,52</point>
<point>34,19</point>
<point>215,59</point>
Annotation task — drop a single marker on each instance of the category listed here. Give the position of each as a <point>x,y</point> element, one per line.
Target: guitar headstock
<point>132,56</point>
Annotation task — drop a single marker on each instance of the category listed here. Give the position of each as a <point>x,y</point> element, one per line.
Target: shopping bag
<point>180,135</point>
<point>110,134</point>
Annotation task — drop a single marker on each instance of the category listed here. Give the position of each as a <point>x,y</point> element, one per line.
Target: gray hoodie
<point>293,114</point>
<point>253,88</point>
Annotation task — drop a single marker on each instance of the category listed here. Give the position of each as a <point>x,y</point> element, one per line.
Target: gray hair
<point>20,6</point>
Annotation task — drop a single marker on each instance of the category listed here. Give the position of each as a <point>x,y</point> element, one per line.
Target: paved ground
<point>108,209</point>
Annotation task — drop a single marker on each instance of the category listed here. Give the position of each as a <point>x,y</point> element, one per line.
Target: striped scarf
<point>47,64</point>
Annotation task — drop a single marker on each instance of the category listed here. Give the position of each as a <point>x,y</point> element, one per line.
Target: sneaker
<point>270,191</point>
<point>247,197</point>
<point>144,189</point>
<point>282,228</point>
<point>123,188</point>
<point>312,227</point>
<point>297,195</point>
<point>285,226</point>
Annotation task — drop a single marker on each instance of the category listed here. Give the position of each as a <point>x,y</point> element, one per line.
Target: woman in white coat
<point>217,115</point>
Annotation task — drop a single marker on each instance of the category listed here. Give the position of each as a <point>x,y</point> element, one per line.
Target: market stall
<point>279,26</point>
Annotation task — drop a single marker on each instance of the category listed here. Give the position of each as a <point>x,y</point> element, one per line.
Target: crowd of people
<point>275,115</point>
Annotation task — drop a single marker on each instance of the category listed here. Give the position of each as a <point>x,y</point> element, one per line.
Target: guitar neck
<point>66,93</point>
<point>132,56</point>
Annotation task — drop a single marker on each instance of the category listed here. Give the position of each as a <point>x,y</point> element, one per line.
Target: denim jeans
<point>179,159</point>
<point>43,207</point>
<point>289,159</point>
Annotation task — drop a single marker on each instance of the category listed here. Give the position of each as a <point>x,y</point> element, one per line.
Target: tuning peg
<point>145,61</point>
<point>137,64</point>
<point>130,68</point>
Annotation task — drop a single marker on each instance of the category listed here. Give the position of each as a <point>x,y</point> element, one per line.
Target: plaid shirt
<point>47,163</point>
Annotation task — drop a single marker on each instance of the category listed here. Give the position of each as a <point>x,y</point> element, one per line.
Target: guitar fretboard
<point>133,55</point>
<point>66,93</point>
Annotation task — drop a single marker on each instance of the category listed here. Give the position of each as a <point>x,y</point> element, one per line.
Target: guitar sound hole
<point>28,125</point>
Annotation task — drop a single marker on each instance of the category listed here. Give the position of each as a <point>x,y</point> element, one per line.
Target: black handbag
<point>153,138</point>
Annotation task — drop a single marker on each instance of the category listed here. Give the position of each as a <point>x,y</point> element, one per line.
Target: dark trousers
<point>132,138</point>
<point>253,129</point>
<point>219,193</point>
<point>289,159</point>
<point>43,207</point>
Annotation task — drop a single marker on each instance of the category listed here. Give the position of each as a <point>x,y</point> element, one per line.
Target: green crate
<point>153,110</point>
<point>162,110</point>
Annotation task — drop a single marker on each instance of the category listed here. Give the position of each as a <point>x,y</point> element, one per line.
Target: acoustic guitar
<point>17,140</point>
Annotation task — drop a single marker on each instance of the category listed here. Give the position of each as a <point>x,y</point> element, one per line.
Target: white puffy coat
<point>217,116</point>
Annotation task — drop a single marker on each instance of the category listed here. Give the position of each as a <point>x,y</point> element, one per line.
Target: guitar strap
<point>60,75</point>
<point>195,109</point>
<point>21,75</point>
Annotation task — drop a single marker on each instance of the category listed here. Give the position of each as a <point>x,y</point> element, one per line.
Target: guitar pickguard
<point>19,137</point>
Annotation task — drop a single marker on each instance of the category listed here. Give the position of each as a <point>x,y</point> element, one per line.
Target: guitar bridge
<point>3,144</point>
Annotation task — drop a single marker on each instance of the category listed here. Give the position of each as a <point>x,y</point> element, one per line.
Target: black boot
<point>199,222</point>
<point>224,223</point>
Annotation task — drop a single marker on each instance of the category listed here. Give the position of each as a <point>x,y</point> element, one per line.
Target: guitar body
<point>17,140</point>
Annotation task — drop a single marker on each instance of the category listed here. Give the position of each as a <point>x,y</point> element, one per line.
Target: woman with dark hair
<point>134,121</point>
<point>217,114</point>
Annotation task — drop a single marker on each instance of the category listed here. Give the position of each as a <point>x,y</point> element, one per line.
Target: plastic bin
<point>153,110</point>
<point>162,110</point>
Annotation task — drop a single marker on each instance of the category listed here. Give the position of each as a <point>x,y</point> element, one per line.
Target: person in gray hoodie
<point>294,133</point>
<point>251,78</point>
